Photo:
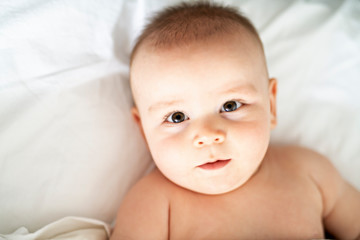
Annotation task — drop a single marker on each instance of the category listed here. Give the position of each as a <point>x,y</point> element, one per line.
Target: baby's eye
<point>176,117</point>
<point>230,106</point>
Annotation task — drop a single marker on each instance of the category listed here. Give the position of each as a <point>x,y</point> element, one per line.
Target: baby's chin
<point>215,189</point>
<point>211,187</point>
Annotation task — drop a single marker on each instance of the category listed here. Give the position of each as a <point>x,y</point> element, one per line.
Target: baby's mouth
<point>214,165</point>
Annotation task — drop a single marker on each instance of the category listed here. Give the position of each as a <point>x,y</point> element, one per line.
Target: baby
<point>206,106</point>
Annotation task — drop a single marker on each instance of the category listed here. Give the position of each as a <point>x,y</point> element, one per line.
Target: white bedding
<point>68,146</point>
<point>71,228</point>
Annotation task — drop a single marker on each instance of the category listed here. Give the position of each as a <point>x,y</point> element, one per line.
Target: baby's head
<point>204,101</point>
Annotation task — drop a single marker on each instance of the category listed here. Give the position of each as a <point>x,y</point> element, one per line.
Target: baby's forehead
<point>237,55</point>
<point>242,39</point>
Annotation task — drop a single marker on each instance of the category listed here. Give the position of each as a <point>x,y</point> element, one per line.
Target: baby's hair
<point>191,22</point>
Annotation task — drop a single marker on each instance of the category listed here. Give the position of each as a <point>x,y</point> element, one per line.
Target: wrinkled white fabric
<point>68,145</point>
<point>71,228</point>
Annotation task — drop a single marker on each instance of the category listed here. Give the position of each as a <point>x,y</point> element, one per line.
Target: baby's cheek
<point>169,152</point>
<point>251,136</point>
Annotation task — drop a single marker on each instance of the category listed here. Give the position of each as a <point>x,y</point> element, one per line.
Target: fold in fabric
<point>73,228</point>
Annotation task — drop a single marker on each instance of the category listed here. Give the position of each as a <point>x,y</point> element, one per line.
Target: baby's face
<point>206,111</point>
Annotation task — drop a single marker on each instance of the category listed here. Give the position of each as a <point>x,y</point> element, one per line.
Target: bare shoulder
<point>341,201</point>
<point>154,178</point>
<point>144,210</point>
<point>154,185</point>
<point>298,153</point>
<point>311,163</point>
<point>302,159</point>
<point>306,162</point>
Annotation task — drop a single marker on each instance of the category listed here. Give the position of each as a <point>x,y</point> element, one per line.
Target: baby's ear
<point>272,95</point>
<point>136,116</point>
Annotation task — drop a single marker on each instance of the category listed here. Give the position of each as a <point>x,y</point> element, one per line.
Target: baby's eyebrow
<point>163,104</point>
<point>245,89</point>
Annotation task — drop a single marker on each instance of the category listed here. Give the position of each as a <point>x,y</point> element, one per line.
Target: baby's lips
<point>217,164</point>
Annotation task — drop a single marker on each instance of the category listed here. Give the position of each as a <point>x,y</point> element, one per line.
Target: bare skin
<point>294,194</point>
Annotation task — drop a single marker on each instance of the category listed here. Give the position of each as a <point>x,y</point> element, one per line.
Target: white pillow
<point>68,145</point>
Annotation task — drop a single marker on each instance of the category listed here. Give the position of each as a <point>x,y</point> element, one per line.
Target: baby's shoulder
<point>145,205</point>
<point>299,158</point>
<point>298,161</point>
<point>153,183</point>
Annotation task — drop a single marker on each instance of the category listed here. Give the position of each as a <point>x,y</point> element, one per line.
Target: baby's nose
<point>208,138</point>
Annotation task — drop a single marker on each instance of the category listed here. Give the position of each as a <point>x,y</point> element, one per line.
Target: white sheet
<point>67,143</point>
<point>70,228</point>
<point>68,146</point>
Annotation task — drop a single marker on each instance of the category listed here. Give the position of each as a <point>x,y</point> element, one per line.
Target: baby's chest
<point>280,212</point>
